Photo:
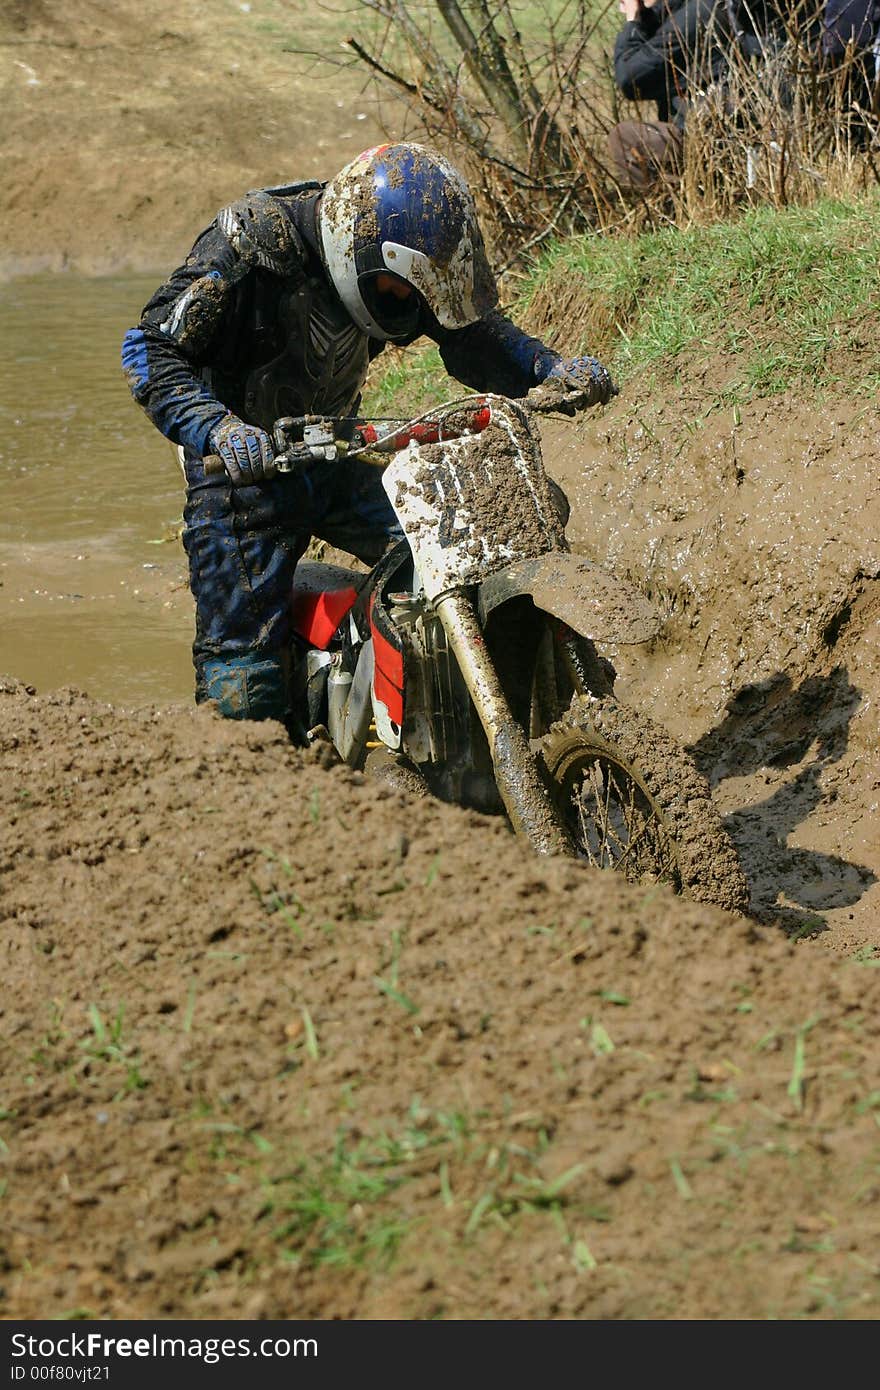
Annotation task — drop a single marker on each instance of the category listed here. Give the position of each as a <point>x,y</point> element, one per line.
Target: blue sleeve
<point>165,355</point>
<point>192,321</point>
<point>177,401</point>
<point>494,355</point>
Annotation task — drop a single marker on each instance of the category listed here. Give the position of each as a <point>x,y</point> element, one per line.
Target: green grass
<point>775,300</point>
<point>341,1211</point>
<point>280,899</point>
<point>784,294</point>
<point>352,1208</point>
<point>403,383</point>
<point>110,1044</point>
<point>105,1057</point>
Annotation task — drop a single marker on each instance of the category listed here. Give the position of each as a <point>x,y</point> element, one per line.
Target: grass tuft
<point>774,300</point>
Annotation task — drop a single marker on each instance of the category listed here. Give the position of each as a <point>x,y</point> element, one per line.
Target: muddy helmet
<point>404,211</point>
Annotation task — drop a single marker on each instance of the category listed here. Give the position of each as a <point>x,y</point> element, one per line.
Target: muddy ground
<point>278,1042</point>
<point>125,127</point>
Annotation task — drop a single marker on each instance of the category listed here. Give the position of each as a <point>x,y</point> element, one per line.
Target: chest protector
<point>306,356</point>
<point>322,356</point>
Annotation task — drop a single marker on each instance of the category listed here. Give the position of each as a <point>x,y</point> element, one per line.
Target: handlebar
<point>300,439</point>
<point>303,438</point>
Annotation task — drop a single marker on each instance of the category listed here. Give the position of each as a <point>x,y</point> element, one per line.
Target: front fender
<point>579,593</point>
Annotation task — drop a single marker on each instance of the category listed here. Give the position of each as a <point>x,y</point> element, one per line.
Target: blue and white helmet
<point>404,211</point>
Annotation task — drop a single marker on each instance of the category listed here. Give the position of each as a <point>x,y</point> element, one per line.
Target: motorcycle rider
<point>278,310</point>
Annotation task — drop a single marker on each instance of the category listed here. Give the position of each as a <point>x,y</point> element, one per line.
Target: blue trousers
<point>243,545</point>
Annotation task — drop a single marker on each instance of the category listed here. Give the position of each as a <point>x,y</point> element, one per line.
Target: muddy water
<point>92,578</point>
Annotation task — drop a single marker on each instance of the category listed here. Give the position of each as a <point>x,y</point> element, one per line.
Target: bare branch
<point>539,236</point>
<point>443,102</point>
<point>390,76</point>
<point>494,80</point>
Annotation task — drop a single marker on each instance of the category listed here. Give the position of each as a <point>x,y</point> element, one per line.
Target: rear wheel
<point>633,801</point>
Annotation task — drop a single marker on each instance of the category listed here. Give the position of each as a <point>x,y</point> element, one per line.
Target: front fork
<point>528,803</point>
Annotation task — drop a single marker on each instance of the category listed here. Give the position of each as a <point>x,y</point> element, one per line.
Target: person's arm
<point>490,355</point>
<point>183,325</point>
<point>654,45</point>
<point>495,355</point>
<point>646,15</point>
<point>178,328</point>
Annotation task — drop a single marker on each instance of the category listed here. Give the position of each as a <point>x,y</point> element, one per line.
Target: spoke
<point>647,823</point>
<point>626,835</point>
<point>587,823</point>
<point>606,818</point>
<point>608,830</point>
<point>664,863</point>
<point>609,841</point>
<point>661,855</point>
<point>600,819</point>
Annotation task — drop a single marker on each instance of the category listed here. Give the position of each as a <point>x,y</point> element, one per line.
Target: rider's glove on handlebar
<point>246,451</point>
<point>585,374</point>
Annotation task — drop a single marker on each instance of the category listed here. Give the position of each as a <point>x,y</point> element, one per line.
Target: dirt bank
<point>756,533</point>
<point>277,1045</point>
<point>125,127</point>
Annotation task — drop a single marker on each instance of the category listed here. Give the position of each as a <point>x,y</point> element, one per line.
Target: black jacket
<point>668,49</point>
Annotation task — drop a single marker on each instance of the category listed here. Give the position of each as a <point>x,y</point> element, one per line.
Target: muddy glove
<point>245,450</point>
<point>583,375</point>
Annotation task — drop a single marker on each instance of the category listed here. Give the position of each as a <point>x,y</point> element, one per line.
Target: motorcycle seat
<point>316,577</point>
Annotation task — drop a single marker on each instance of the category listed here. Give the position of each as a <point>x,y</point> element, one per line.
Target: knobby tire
<point>634,801</point>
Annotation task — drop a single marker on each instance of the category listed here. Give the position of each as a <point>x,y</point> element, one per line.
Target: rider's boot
<point>250,687</point>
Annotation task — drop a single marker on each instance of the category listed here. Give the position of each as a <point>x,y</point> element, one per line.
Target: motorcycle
<point>468,663</point>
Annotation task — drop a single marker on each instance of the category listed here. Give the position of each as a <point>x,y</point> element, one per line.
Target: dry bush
<point>517,112</point>
<point>527,115</point>
<point>781,130</point>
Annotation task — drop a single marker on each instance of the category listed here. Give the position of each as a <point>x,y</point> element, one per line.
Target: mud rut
<point>768,666</point>
<point>236,979</point>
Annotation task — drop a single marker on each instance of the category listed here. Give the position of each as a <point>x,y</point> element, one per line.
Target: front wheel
<point>633,801</point>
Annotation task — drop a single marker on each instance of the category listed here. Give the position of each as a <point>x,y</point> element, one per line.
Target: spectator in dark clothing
<point>759,27</point>
<point>666,49</point>
<point>849,48</point>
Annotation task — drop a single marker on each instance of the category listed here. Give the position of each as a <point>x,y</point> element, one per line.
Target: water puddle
<point>93,589</point>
